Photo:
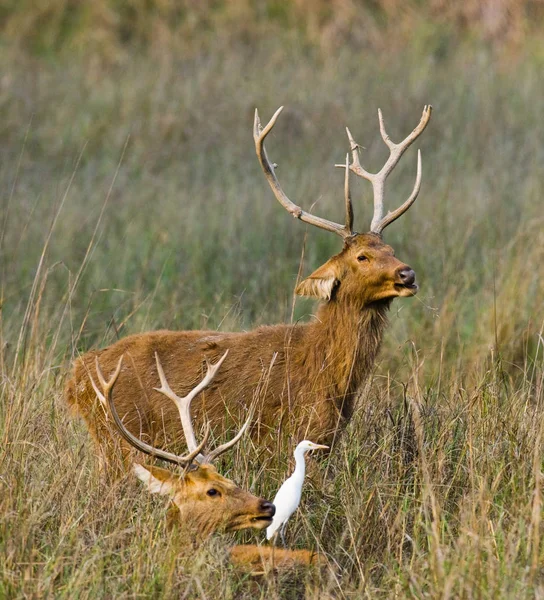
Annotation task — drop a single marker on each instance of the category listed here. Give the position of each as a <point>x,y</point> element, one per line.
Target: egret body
<point>288,497</point>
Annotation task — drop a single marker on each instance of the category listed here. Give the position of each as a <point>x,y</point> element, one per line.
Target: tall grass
<point>132,200</point>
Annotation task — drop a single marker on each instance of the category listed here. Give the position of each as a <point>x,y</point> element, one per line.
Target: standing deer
<point>202,501</point>
<point>305,377</point>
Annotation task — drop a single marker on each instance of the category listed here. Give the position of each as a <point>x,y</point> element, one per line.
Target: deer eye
<point>362,258</point>
<point>213,492</point>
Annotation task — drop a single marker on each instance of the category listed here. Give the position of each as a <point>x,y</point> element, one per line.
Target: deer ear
<point>157,480</point>
<point>321,283</point>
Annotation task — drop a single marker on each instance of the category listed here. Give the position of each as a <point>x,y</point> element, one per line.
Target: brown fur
<point>259,559</point>
<point>304,377</point>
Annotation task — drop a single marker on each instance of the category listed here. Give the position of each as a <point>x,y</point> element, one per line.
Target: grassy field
<point>132,200</point>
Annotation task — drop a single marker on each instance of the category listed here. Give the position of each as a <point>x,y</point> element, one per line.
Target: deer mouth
<point>250,523</point>
<point>404,289</point>
<point>265,519</point>
<point>261,522</point>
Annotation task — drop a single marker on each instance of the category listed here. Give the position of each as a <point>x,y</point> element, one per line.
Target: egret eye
<point>362,258</point>
<point>213,492</point>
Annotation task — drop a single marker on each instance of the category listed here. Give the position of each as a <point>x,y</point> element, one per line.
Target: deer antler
<point>259,135</point>
<point>184,405</point>
<point>107,387</point>
<point>379,221</point>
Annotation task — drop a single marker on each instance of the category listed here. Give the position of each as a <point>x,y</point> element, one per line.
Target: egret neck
<point>300,470</point>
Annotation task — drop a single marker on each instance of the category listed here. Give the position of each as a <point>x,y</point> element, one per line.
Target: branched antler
<point>107,387</point>
<point>379,221</point>
<point>183,405</point>
<point>259,135</point>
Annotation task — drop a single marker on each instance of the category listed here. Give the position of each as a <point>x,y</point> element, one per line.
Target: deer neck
<point>342,345</point>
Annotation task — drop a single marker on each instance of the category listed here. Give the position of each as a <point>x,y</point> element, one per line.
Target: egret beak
<point>319,447</point>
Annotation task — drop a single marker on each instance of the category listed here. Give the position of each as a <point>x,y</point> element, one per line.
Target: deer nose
<point>407,276</point>
<point>267,506</point>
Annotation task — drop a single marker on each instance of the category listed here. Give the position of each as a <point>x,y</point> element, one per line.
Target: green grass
<point>132,200</point>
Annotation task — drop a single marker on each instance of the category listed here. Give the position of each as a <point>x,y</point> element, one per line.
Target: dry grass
<point>132,200</point>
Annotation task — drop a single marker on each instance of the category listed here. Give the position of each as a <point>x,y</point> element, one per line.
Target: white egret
<point>288,497</point>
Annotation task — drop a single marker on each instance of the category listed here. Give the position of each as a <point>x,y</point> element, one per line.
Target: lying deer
<point>308,375</point>
<point>202,501</point>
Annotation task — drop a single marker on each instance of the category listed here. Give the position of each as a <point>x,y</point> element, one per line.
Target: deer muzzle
<point>267,510</point>
<point>406,281</point>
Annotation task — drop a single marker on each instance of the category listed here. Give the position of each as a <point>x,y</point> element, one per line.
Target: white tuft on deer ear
<point>323,281</point>
<point>321,288</point>
<point>155,485</point>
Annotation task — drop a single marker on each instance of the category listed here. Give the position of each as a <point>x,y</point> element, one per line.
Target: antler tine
<point>184,404</point>
<point>259,135</point>
<point>347,197</point>
<point>99,394</point>
<point>107,387</point>
<point>356,163</point>
<point>395,214</point>
<point>211,456</point>
<point>379,221</point>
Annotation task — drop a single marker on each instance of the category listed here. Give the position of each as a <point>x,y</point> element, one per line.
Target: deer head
<point>366,270</point>
<point>204,500</point>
